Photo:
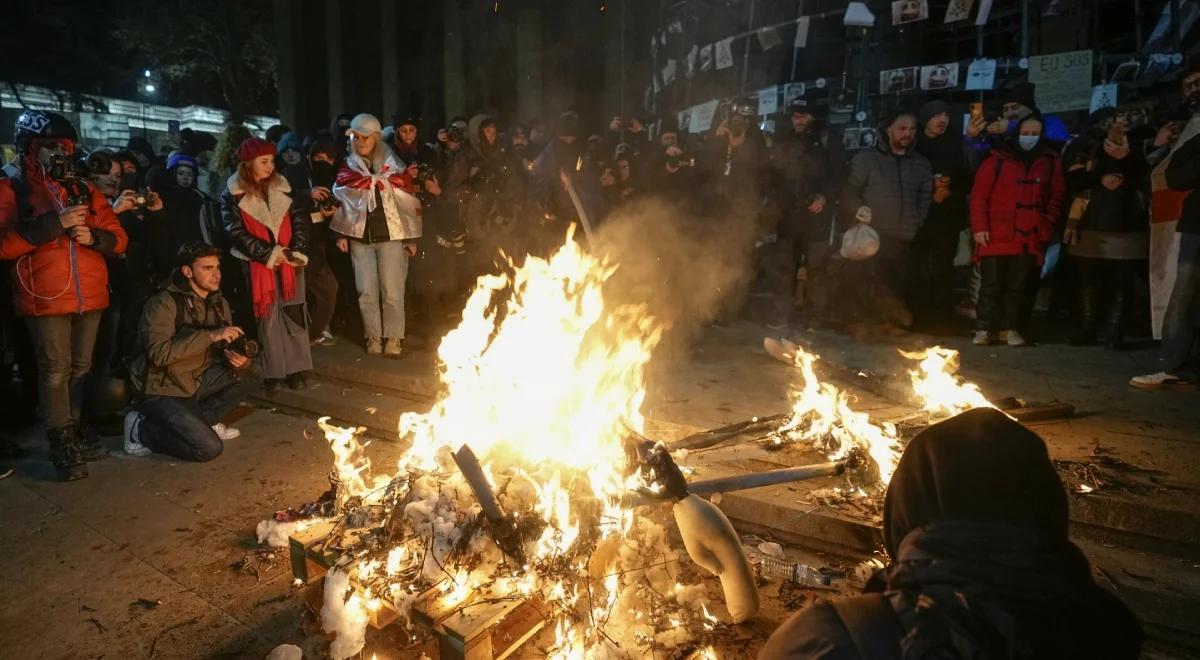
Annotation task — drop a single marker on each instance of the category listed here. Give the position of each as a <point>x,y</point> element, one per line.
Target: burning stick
<point>767,478</point>
<point>504,531</point>
<point>706,439</point>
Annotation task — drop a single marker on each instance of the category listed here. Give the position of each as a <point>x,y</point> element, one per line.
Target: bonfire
<point>529,478</point>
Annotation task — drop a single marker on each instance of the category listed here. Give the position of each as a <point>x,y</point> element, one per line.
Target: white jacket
<point>402,209</point>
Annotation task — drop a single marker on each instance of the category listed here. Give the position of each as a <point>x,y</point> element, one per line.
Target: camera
<point>328,204</point>
<point>242,345</point>
<point>682,161</point>
<point>424,172</point>
<point>62,170</point>
<point>143,198</point>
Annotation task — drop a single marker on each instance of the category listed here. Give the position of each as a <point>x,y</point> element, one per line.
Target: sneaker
<point>5,471</point>
<point>391,347</point>
<point>374,346</point>
<point>326,339</point>
<point>133,434</point>
<point>1014,338</point>
<point>982,338</point>
<point>1159,381</point>
<point>226,432</point>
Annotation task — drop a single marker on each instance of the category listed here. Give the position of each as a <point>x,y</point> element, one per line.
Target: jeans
<point>1179,350</point>
<point>1004,291</point>
<point>321,285</point>
<point>182,427</point>
<point>64,346</point>
<point>380,271</point>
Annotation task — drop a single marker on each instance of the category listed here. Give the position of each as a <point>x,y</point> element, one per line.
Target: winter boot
<point>89,444</point>
<point>1085,334</point>
<point>1114,338</point>
<point>66,454</point>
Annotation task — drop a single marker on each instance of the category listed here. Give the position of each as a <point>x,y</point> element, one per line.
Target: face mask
<point>1028,142</point>
<point>128,181</point>
<point>322,173</point>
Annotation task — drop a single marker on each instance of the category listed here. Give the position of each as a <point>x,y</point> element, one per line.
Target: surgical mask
<point>323,173</point>
<point>128,181</point>
<point>1028,142</point>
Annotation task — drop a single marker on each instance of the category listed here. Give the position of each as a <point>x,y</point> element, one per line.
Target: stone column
<point>334,57</point>
<point>529,64</point>
<point>389,50</point>
<point>452,54</point>
<point>285,60</point>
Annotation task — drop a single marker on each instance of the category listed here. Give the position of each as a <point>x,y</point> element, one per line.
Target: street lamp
<point>147,90</point>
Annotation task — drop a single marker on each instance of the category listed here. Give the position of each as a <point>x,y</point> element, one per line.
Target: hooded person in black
<point>975,521</point>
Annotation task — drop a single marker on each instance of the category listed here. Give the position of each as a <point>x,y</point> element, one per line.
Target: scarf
<point>262,279</point>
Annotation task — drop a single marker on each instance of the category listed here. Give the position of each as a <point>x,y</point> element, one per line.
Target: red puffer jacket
<point>1017,203</point>
<point>52,274</point>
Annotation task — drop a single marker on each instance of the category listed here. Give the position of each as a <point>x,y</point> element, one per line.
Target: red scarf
<point>262,279</point>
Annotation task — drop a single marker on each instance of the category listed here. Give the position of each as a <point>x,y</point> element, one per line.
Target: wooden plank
<point>521,624</point>
<point>467,623</point>
<point>305,553</point>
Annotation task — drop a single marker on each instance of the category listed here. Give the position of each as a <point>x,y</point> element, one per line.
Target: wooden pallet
<point>477,628</point>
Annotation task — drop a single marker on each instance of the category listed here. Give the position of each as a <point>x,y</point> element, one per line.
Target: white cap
<point>365,124</point>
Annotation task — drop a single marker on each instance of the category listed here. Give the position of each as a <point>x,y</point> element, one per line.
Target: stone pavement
<point>87,562</point>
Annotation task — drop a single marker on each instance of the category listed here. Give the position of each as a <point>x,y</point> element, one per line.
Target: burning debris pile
<point>527,481</point>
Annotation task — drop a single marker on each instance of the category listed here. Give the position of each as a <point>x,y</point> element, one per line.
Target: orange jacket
<point>52,274</point>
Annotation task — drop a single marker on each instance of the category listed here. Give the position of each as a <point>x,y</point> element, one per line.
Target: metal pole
<point>746,57</point>
<point>1024,28</point>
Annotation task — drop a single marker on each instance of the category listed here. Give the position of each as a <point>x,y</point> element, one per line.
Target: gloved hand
<point>863,215</point>
<point>712,543</point>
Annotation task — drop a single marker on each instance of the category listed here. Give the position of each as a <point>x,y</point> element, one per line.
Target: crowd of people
<point>227,261</point>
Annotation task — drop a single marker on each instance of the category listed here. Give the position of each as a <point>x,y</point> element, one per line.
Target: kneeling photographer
<point>194,366</point>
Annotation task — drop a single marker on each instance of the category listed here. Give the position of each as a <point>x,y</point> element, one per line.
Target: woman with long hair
<point>379,221</point>
<point>271,239</point>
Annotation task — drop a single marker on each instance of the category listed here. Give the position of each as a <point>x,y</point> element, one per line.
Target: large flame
<point>938,387</point>
<point>821,414</point>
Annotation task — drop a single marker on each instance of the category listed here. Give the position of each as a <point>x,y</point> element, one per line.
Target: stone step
<point>346,405</point>
<point>414,376</point>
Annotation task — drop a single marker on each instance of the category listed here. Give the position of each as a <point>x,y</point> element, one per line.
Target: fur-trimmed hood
<point>270,212</point>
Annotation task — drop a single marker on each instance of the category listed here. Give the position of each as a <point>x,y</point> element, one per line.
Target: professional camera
<point>682,161</point>
<point>242,345</point>
<point>62,171</point>
<point>143,198</point>
<point>425,172</point>
<point>328,204</point>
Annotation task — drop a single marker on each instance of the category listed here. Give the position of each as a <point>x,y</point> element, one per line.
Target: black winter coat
<point>270,212</point>
<point>1183,173</point>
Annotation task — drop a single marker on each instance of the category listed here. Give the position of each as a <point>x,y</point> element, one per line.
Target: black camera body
<point>142,199</point>
<point>242,345</point>
<point>63,171</point>
<point>424,172</point>
<point>682,161</point>
<point>328,204</point>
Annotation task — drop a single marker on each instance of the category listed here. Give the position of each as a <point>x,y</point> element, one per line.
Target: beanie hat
<point>568,124</point>
<point>323,144</point>
<point>670,123</point>
<point>179,158</point>
<point>1022,93</point>
<point>254,147</point>
<point>932,108</point>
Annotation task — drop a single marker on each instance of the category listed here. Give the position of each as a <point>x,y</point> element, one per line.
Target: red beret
<point>254,147</point>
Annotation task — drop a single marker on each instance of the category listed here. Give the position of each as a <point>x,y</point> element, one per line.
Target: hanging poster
<point>1064,80</point>
<point>685,119</point>
<point>981,74</point>
<point>669,72</point>
<point>791,92</point>
<point>768,38</point>
<point>985,10</point>
<point>1103,96</point>
<point>801,40</point>
<point>724,54</point>
<point>706,58</point>
<point>768,100</point>
<point>893,81</point>
<point>939,76</point>
<point>702,117</point>
<point>958,10</point>
<point>908,11</point>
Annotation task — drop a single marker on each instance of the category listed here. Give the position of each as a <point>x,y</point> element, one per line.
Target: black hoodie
<point>975,521</point>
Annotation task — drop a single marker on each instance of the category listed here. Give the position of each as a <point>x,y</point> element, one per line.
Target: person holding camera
<point>379,220</point>
<point>58,228</point>
<point>271,238</point>
<point>194,365</point>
